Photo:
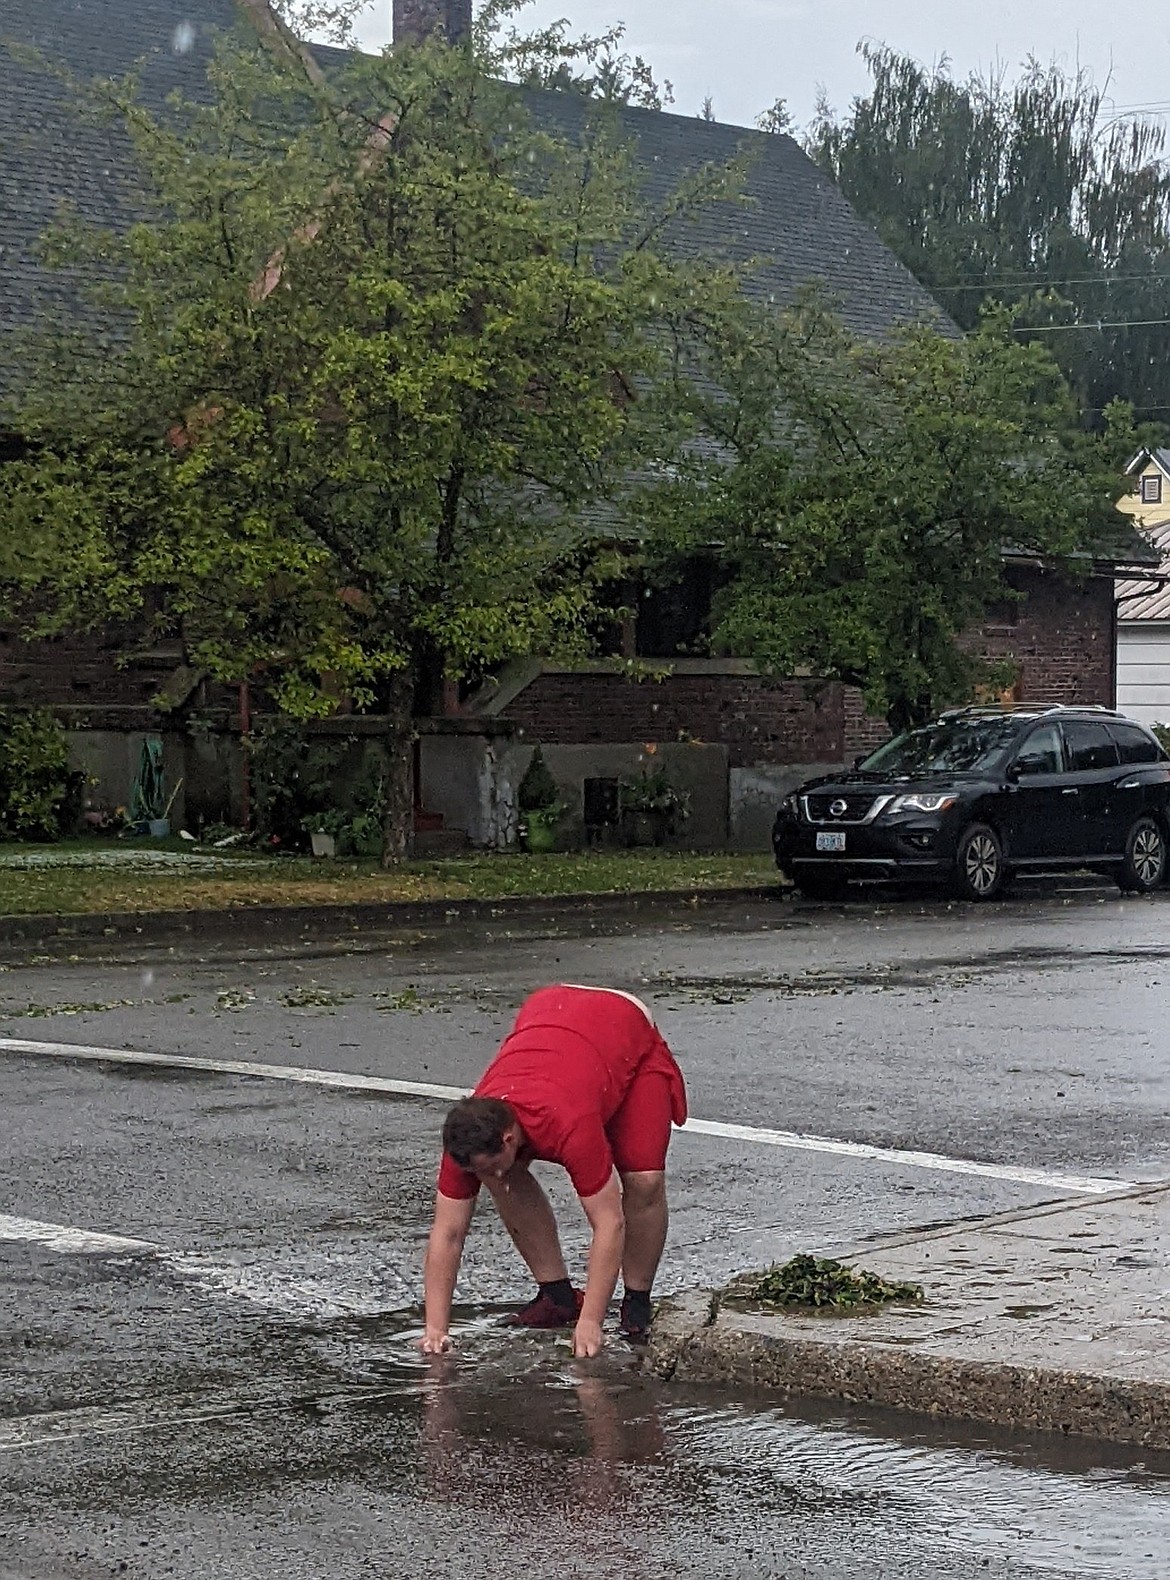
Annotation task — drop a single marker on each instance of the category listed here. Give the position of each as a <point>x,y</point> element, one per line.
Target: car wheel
<point>821,885</point>
<point>979,871</point>
<point>1144,866</point>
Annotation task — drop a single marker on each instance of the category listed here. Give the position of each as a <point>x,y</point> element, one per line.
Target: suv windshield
<point>960,746</point>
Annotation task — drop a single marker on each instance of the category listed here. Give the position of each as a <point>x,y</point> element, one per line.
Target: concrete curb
<point>688,1347</point>
<point>1090,1375</point>
<point>260,923</point>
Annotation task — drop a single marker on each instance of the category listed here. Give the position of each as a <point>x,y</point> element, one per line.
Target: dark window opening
<point>602,808</point>
<point>674,620</point>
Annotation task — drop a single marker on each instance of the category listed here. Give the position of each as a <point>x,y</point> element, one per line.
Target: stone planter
<point>540,830</point>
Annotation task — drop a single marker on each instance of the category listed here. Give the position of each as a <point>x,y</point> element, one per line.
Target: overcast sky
<point>747,53</point>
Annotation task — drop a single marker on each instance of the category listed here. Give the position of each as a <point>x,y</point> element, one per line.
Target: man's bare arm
<point>441,1269</point>
<point>608,1223</point>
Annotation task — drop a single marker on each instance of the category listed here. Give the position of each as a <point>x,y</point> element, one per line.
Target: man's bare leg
<point>528,1218</point>
<point>644,1205</point>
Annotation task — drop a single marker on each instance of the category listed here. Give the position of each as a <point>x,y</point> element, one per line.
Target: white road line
<point>76,1242</point>
<point>265,1287</point>
<point>269,1072</point>
<point>1079,1184</point>
<point>1086,1185</point>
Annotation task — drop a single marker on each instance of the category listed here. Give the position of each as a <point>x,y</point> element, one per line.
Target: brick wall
<point>79,671</point>
<point>863,733</point>
<point>760,722</point>
<point>1061,638</point>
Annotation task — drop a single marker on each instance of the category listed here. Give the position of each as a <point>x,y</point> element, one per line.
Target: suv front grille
<point>859,806</point>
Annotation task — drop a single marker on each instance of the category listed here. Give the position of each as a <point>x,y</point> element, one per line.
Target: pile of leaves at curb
<point>821,1284</point>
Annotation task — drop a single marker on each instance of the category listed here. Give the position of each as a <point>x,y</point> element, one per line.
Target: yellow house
<point>1143,607</point>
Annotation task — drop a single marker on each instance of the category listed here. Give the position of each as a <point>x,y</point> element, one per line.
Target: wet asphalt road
<point>240,1397</point>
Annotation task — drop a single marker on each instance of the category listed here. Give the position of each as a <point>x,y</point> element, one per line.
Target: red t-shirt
<point>565,1069</point>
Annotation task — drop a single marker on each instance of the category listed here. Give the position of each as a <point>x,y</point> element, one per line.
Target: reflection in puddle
<point>511,1426</point>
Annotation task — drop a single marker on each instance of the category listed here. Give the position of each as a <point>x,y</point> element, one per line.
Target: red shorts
<point>639,1133</point>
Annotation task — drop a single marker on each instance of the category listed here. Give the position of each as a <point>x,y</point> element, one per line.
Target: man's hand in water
<point>587,1339</point>
<point>435,1342</point>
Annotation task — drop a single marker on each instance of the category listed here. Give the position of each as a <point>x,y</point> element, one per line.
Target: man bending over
<point>584,1080</point>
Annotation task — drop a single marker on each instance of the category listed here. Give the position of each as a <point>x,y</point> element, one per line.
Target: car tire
<point>979,867</point>
<point>821,886</point>
<point>1144,866</point>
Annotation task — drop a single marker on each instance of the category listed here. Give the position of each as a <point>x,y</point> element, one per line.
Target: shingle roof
<point>48,160</point>
<point>795,220</point>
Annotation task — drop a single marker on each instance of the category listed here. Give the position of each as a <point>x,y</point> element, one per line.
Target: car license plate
<point>830,841</point>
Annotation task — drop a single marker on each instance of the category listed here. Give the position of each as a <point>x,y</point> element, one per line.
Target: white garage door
<point>1143,672</point>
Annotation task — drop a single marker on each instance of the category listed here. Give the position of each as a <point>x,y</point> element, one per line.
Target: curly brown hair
<point>476,1125</point>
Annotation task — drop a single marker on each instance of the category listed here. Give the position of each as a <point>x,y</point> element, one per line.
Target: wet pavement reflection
<point>595,1470</point>
<point>378,1462</point>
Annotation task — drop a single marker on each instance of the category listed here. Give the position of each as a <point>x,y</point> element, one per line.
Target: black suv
<point>983,793</point>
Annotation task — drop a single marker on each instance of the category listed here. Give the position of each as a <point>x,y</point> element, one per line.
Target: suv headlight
<point>922,803</point>
<point>792,805</point>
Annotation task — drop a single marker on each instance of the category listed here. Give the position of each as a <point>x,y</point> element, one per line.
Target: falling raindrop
<point>183,39</point>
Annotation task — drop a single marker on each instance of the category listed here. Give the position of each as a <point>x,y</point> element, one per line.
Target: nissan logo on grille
<point>838,808</point>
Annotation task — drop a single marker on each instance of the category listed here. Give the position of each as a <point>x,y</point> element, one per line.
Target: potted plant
<point>327,830</point>
<point>541,806</point>
<point>651,807</point>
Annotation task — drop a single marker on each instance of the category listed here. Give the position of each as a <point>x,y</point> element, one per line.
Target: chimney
<point>418,19</point>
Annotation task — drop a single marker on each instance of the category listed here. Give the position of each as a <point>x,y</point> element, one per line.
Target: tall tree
<point>1030,193</point>
<point>863,497</point>
<point>389,336</point>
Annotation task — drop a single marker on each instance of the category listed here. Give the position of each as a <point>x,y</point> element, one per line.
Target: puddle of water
<point>815,1475</point>
<point>509,1443</point>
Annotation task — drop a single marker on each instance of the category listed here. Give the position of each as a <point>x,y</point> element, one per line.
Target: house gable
<point>1147,505</point>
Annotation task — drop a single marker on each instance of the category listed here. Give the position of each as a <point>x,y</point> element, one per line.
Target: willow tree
<point>388,335</point>
<point>1030,193</point>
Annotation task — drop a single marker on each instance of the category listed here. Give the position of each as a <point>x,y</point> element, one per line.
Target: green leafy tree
<point>863,497</point>
<point>389,335</point>
<point>1029,193</point>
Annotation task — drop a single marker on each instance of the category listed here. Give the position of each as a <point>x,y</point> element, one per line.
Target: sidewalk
<point>262,923</point>
<point>1054,1319</point>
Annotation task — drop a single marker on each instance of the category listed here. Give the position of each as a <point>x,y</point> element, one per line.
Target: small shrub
<point>652,792</point>
<point>1162,731</point>
<point>538,789</point>
<point>40,797</point>
<point>291,777</point>
<point>300,787</point>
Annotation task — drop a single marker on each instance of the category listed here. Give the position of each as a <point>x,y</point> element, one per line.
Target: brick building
<point>793,222</point>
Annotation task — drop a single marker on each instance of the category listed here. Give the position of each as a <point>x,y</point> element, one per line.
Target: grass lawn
<point>76,877</point>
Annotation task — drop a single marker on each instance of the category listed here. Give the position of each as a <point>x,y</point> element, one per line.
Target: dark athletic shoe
<point>545,1313</point>
<point>634,1332</point>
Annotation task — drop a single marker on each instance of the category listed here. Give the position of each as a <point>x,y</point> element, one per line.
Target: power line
<point>1091,411</point>
<point>1120,323</point>
<point>991,283</point>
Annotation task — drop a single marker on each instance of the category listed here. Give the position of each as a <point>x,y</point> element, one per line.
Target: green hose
<point>146,794</point>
